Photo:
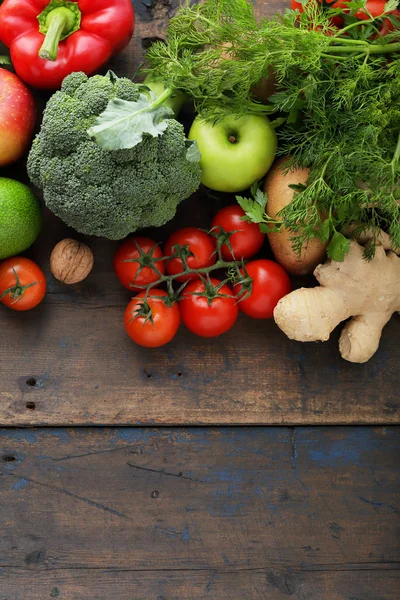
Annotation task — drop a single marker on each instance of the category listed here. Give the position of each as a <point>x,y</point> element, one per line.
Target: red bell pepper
<point>48,40</point>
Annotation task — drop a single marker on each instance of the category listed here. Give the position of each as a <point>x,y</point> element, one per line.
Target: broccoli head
<point>107,193</point>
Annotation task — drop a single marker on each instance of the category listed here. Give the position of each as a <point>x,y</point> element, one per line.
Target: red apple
<point>17,117</point>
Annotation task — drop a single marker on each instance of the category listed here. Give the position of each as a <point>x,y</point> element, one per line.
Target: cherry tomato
<point>147,252</point>
<point>375,7</point>
<point>340,3</point>
<point>270,284</point>
<point>199,243</point>
<point>248,239</point>
<point>208,318</point>
<point>154,332</point>
<point>336,21</point>
<point>387,25</point>
<point>22,283</point>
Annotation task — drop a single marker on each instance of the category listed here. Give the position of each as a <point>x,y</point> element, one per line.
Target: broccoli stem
<point>161,99</point>
<point>60,22</point>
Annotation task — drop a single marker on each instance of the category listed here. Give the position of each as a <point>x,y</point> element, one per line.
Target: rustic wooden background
<point>197,514</point>
<point>189,514</point>
<point>69,362</point>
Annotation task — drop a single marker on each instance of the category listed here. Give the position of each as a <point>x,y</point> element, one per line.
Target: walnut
<point>71,261</point>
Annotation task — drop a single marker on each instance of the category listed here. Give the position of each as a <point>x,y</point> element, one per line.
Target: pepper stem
<point>59,19</point>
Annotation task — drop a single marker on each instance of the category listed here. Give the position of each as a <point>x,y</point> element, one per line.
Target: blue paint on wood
<point>209,584</point>
<point>132,435</point>
<point>173,533</point>
<point>228,502</point>
<point>19,435</point>
<point>348,449</point>
<point>225,559</point>
<point>32,436</point>
<point>20,484</point>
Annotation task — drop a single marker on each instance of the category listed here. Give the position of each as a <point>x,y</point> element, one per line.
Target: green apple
<point>235,151</point>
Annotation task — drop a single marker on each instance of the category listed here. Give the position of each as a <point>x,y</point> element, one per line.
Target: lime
<point>20,217</point>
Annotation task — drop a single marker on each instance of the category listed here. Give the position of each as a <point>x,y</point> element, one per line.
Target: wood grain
<point>238,514</point>
<point>69,362</point>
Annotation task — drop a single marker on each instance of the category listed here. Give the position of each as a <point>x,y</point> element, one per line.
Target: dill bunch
<point>337,104</point>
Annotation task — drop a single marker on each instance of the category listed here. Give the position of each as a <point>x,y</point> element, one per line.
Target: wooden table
<point>191,514</point>
<point>133,513</point>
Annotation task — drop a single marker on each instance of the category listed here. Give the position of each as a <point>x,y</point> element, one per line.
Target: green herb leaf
<point>390,6</point>
<point>278,122</point>
<point>123,123</point>
<point>264,228</point>
<point>5,60</point>
<point>247,205</point>
<point>338,247</point>
<point>254,209</point>
<point>326,230</point>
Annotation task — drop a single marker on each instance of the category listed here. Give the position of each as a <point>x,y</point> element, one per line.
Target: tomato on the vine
<point>270,283</point>
<point>150,322</point>
<point>375,8</point>
<point>22,283</point>
<point>134,262</point>
<point>208,309</point>
<point>248,239</point>
<point>199,243</point>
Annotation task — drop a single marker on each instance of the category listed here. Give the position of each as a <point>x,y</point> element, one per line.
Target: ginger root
<point>368,292</point>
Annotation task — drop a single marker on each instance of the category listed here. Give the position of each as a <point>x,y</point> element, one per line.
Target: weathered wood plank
<point>69,362</point>
<point>235,513</point>
<point>257,584</point>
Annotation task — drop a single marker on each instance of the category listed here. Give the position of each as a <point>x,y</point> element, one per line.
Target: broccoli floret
<point>102,192</point>
<point>71,83</point>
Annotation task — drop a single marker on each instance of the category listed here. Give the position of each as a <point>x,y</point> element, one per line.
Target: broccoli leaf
<point>193,153</point>
<point>123,123</point>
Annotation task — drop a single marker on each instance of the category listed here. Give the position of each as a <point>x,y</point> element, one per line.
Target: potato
<point>280,195</point>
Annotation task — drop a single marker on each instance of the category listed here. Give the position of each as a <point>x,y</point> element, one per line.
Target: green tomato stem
<point>16,291</point>
<point>220,264</point>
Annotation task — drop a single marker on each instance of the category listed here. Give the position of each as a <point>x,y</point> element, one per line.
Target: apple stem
<point>232,139</point>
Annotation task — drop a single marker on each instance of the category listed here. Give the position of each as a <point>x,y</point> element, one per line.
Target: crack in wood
<point>328,568</point>
<point>378,504</point>
<point>71,495</point>
<point>166,473</point>
<point>90,453</point>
